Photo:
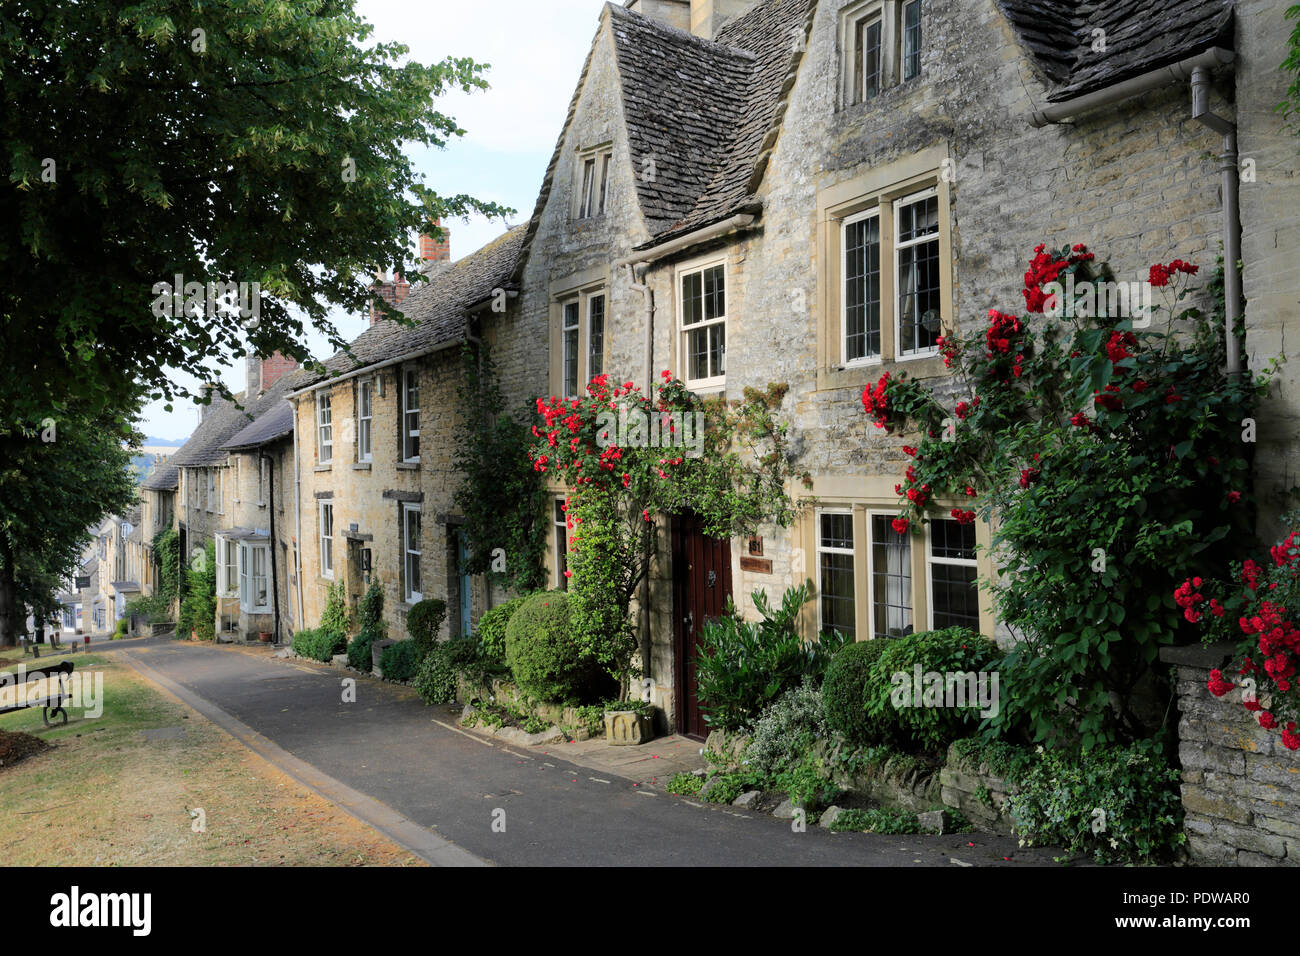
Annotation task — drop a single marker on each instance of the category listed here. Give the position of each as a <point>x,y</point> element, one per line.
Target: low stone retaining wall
<point>1240,786</point>
<point>976,791</point>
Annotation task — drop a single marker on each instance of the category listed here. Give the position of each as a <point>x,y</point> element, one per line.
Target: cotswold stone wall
<point>1241,787</point>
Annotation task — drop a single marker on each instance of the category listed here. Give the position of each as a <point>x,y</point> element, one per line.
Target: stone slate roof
<point>275,424</point>
<point>439,306</point>
<point>706,113</point>
<point>1141,35</point>
<point>223,420</point>
<point>164,477</point>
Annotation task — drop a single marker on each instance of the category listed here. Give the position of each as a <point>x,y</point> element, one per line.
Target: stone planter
<point>628,727</point>
<point>376,652</point>
<point>264,636</point>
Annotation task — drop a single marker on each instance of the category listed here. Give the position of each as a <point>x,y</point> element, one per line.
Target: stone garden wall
<point>1241,787</point>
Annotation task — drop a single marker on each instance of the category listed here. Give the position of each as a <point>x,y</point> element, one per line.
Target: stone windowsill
<point>323,468</point>
<point>408,466</point>
<point>361,466</point>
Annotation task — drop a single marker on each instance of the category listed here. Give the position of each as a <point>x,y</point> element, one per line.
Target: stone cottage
<point>812,192</point>
<point>375,441</point>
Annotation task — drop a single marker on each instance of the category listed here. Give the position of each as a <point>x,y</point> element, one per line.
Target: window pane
<point>956,596</point>
<point>697,353</point>
<point>692,298</point>
<point>835,573</point>
<point>862,289</point>
<point>869,59</point>
<point>604,182</point>
<point>588,172</point>
<point>596,336</point>
<point>951,539</point>
<point>715,304</point>
<point>561,546</point>
<point>918,276</point>
<point>570,346</point>
<point>718,349</point>
<point>412,530</point>
<point>891,579</point>
<point>912,40</point>
<point>837,531</point>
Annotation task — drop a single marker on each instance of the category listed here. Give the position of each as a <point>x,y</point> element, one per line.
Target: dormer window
<point>881,42</point>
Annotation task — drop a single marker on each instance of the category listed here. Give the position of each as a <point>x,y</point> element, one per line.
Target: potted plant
<point>265,636</point>
<point>629,722</point>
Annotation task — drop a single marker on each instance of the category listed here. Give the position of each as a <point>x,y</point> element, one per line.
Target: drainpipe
<point>297,517</point>
<point>275,580</point>
<point>1230,178</point>
<point>635,271</point>
<point>1196,69</point>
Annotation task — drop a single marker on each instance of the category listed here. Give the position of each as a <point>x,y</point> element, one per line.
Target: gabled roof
<point>274,425</point>
<point>223,419</point>
<point>162,478</point>
<point>440,307</point>
<point>1139,36</point>
<point>702,114</point>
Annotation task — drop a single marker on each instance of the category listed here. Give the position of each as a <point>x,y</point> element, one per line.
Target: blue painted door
<point>462,552</point>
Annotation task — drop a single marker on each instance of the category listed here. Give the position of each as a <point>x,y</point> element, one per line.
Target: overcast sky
<point>536,51</point>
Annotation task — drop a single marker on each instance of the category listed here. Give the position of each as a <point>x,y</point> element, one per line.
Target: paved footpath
<point>411,772</point>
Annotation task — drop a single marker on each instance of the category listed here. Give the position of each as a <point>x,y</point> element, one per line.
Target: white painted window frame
<point>324,427</point>
<point>322,507</point>
<point>874,212</point>
<point>409,508</point>
<point>366,420</point>
<point>896,254</point>
<point>712,382</point>
<point>844,510</point>
<point>931,560</point>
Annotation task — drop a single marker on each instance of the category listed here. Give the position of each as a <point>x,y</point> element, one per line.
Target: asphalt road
<point>389,746</point>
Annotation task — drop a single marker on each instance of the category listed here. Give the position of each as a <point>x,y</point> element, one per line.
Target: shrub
<point>491,629</point>
<point>370,609</point>
<point>199,607</point>
<point>787,731</point>
<point>437,676</point>
<point>726,787</point>
<point>743,666</point>
<point>807,782</point>
<point>400,661</point>
<point>423,622</point>
<point>318,644</point>
<point>359,653</point>
<point>119,629</point>
<point>335,618</point>
<point>684,784</point>
<point>890,713</point>
<point>543,661</point>
<point>154,608</point>
<point>1057,797</point>
<point>844,691</point>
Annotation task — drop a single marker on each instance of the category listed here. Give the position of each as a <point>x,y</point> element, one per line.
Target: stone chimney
<point>675,13</point>
<point>208,389</point>
<point>261,373</point>
<point>709,16</point>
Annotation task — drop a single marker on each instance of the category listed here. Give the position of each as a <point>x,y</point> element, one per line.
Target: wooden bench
<point>58,675</point>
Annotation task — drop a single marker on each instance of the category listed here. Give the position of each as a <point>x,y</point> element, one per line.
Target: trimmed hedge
<point>318,644</point>
<point>541,655</point>
<point>954,650</point>
<point>424,621</point>
<point>492,626</point>
<point>845,691</point>
<point>400,661</point>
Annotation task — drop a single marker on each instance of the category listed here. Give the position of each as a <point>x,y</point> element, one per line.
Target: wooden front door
<point>701,587</point>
